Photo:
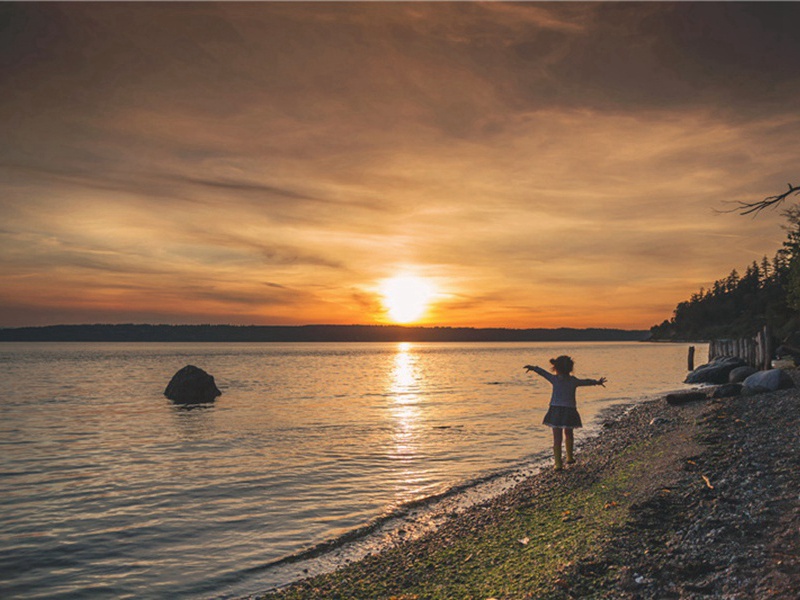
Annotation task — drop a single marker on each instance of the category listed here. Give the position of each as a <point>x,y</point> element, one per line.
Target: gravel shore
<point>694,501</point>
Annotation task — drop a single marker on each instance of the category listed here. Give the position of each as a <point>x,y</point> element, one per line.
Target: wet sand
<point>693,501</point>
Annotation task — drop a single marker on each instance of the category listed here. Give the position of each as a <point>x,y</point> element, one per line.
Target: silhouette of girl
<point>562,415</point>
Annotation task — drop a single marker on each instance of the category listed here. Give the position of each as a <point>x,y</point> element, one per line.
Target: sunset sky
<point>530,164</point>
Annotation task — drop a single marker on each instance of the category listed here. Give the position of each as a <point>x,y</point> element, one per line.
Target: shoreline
<point>424,516</point>
<point>641,515</point>
<point>405,524</point>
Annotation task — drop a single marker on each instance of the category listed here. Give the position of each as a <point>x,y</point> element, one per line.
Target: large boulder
<point>768,381</point>
<point>716,372</point>
<point>192,385</point>
<point>739,374</point>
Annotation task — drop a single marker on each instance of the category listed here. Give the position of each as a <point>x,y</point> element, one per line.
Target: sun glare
<point>406,297</point>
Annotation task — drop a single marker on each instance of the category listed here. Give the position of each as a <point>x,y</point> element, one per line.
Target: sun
<point>406,297</point>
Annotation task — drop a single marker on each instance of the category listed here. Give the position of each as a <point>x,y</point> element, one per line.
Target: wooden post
<point>691,358</point>
<point>758,359</point>
<point>767,347</point>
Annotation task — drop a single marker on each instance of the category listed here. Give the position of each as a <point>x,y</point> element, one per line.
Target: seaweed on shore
<point>670,501</point>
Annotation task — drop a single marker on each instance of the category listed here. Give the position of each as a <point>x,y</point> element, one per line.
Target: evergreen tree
<point>792,252</point>
<point>739,305</point>
<point>766,294</point>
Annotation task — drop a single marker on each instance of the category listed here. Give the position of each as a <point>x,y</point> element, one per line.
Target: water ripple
<point>111,491</point>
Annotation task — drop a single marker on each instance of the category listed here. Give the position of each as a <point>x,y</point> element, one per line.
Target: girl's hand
<point>602,381</point>
<point>528,367</point>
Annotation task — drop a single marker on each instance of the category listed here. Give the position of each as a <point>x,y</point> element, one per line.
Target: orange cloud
<point>541,164</point>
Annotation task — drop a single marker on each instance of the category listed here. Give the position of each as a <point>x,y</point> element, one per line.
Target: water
<point>109,490</point>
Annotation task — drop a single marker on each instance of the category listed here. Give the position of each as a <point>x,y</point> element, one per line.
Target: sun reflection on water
<point>404,375</point>
<point>406,412</point>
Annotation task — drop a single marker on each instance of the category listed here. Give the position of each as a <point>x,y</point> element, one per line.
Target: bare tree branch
<point>753,208</point>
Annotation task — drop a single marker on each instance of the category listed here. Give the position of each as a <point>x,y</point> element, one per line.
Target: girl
<point>563,415</point>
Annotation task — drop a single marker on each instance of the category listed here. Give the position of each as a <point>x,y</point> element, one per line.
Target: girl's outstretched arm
<point>601,381</point>
<point>540,371</point>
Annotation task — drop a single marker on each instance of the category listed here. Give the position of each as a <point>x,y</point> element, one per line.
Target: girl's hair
<point>562,365</point>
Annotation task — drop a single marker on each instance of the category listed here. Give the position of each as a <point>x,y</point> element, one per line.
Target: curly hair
<point>563,364</point>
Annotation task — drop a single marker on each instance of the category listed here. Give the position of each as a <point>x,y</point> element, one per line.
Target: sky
<point>526,164</point>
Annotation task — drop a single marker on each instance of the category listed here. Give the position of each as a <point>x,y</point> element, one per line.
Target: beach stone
<point>716,371</point>
<point>728,390</point>
<point>784,351</point>
<point>679,398</point>
<point>192,385</point>
<point>739,374</point>
<point>768,381</point>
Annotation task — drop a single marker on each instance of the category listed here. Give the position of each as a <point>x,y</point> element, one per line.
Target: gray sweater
<point>564,387</point>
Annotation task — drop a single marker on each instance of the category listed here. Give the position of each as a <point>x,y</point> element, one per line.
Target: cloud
<point>549,163</point>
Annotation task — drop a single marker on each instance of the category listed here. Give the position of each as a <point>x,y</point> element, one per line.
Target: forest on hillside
<point>767,293</point>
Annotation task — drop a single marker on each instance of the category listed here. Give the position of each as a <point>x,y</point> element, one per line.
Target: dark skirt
<point>563,417</point>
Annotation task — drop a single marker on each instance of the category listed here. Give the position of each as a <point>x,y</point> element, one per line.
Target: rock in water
<point>768,381</point>
<point>717,371</point>
<point>192,385</point>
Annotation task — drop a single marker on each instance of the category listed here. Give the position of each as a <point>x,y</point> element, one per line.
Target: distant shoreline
<point>310,333</point>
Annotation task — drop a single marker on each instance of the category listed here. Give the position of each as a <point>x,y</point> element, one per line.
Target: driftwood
<point>679,398</point>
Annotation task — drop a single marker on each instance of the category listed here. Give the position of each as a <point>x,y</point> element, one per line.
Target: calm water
<point>111,491</point>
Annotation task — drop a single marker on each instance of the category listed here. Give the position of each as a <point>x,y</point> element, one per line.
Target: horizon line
<point>297,326</point>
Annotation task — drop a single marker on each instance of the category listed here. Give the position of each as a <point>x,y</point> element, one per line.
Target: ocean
<point>312,455</point>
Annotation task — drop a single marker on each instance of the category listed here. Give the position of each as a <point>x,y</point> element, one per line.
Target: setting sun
<point>406,297</point>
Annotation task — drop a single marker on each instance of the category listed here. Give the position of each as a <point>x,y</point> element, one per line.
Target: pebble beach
<point>700,500</point>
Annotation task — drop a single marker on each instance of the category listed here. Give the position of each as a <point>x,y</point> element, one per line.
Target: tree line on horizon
<point>767,293</point>
<point>307,333</point>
